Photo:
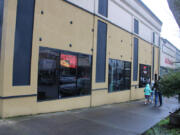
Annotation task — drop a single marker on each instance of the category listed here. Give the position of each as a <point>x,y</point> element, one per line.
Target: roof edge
<point>142,3</point>
<point>166,40</point>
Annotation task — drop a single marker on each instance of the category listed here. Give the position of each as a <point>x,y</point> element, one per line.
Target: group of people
<point>153,94</point>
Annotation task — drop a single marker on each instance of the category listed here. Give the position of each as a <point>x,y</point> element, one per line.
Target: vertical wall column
<point>1,20</point>
<point>101,52</point>
<point>135,64</point>
<point>153,53</point>
<point>23,42</point>
<point>103,7</point>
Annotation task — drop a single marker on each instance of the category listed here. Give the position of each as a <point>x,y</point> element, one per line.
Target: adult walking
<point>155,87</point>
<point>158,94</point>
<point>160,99</point>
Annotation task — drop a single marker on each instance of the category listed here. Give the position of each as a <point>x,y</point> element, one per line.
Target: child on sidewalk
<point>147,93</point>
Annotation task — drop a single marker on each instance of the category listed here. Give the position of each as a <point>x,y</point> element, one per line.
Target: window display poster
<point>69,61</point>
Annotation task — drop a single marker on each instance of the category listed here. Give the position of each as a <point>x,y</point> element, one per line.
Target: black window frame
<point>124,88</point>
<point>140,75</point>
<point>59,51</point>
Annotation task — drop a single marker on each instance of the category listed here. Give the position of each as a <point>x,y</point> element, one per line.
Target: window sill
<point>119,91</point>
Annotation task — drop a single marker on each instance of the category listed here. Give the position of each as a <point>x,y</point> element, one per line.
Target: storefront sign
<point>69,61</point>
<point>167,61</point>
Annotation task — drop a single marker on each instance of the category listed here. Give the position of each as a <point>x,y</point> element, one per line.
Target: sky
<point>170,29</point>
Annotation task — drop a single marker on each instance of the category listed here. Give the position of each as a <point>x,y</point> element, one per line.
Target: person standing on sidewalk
<point>155,87</point>
<point>147,93</point>
<point>160,99</point>
<point>160,94</point>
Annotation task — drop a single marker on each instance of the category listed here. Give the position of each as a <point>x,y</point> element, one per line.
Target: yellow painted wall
<point>56,32</point>
<point>63,104</point>
<point>137,93</point>
<point>101,97</point>
<point>145,53</point>
<point>30,106</point>
<point>103,85</point>
<point>8,53</point>
<point>19,106</point>
<point>119,41</point>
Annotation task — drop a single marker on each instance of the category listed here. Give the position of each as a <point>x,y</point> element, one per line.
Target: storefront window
<point>119,75</point>
<point>48,74</point>
<point>68,74</point>
<point>84,74</point>
<point>145,75</point>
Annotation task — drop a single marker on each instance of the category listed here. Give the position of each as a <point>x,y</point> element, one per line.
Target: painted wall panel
<point>120,17</point>
<point>58,30</point>
<point>99,85</point>
<point>153,62</point>
<point>86,4</point>
<point>156,39</point>
<point>1,19</point>
<point>136,26</point>
<point>169,51</point>
<point>101,52</point>
<point>135,59</point>
<point>23,42</point>
<point>136,10</point>
<point>7,60</point>
<point>103,7</point>
<point>65,29</point>
<point>145,53</point>
<point>102,97</point>
<point>168,54</point>
<point>156,61</point>
<point>145,32</point>
<point>121,13</point>
<point>118,41</point>
<point>167,61</point>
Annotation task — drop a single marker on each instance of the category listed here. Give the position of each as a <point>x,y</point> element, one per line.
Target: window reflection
<point>119,75</point>
<point>145,75</point>
<point>48,74</point>
<point>84,74</point>
<point>63,74</point>
<point>68,74</point>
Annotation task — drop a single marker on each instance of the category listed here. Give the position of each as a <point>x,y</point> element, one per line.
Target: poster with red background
<point>69,61</point>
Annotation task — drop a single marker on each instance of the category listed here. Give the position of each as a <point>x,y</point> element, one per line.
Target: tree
<point>170,84</point>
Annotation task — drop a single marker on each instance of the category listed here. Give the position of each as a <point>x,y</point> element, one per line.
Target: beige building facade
<point>61,55</point>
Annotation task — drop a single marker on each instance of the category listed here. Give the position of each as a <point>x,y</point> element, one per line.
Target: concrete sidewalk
<point>132,118</point>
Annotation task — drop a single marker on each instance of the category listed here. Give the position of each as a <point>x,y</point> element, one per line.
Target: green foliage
<point>177,3</point>
<point>169,85</point>
<point>163,128</point>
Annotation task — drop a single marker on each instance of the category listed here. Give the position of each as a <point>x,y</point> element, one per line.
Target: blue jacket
<point>147,90</point>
